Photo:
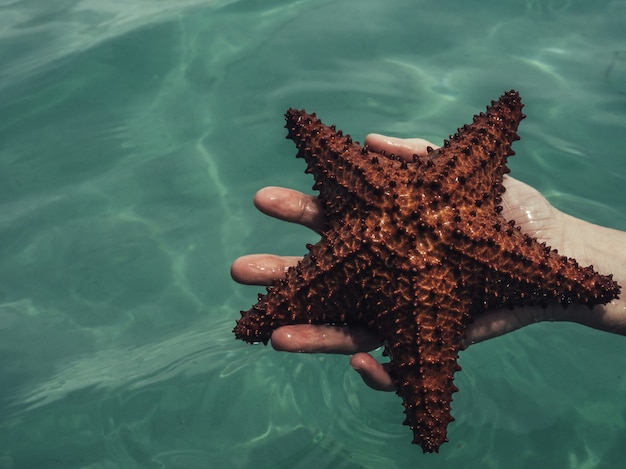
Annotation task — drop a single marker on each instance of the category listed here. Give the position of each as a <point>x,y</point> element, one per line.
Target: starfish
<point>413,251</point>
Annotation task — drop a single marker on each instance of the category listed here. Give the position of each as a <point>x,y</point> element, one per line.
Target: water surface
<point>133,136</point>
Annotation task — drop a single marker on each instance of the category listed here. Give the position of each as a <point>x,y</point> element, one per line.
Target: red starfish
<point>413,251</point>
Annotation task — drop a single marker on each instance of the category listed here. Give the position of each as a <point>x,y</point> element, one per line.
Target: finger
<point>290,205</point>
<point>261,269</point>
<point>373,373</point>
<point>403,147</point>
<point>310,338</point>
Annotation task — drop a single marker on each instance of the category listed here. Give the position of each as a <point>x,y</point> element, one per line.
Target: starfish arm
<point>470,165</point>
<point>512,268</point>
<point>423,338</point>
<point>314,291</point>
<point>425,382</point>
<point>347,176</point>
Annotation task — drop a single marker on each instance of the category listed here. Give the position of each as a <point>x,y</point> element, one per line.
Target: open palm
<point>522,203</point>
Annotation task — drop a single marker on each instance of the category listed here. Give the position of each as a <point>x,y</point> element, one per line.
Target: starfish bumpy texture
<point>413,251</point>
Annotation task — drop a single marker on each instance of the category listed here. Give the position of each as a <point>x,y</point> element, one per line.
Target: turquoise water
<point>133,135</point>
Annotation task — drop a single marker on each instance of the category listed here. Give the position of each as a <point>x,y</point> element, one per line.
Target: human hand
<point>520,202</point>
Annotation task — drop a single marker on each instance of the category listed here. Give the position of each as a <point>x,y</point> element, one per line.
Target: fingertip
<point>261,269</point>
<point>283,340</point>
<point>374,138</point>
<point>265,199</point>
<point>373,373</point>
<point>238,269</point>
<point>403,147</point>
<point>289,205</point>
<point>360,362</point>
<point>378,142</point>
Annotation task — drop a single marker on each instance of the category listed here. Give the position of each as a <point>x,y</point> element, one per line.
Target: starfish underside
<point>413,251</point>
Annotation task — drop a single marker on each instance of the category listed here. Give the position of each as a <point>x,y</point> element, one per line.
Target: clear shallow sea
<point>133,135</point>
